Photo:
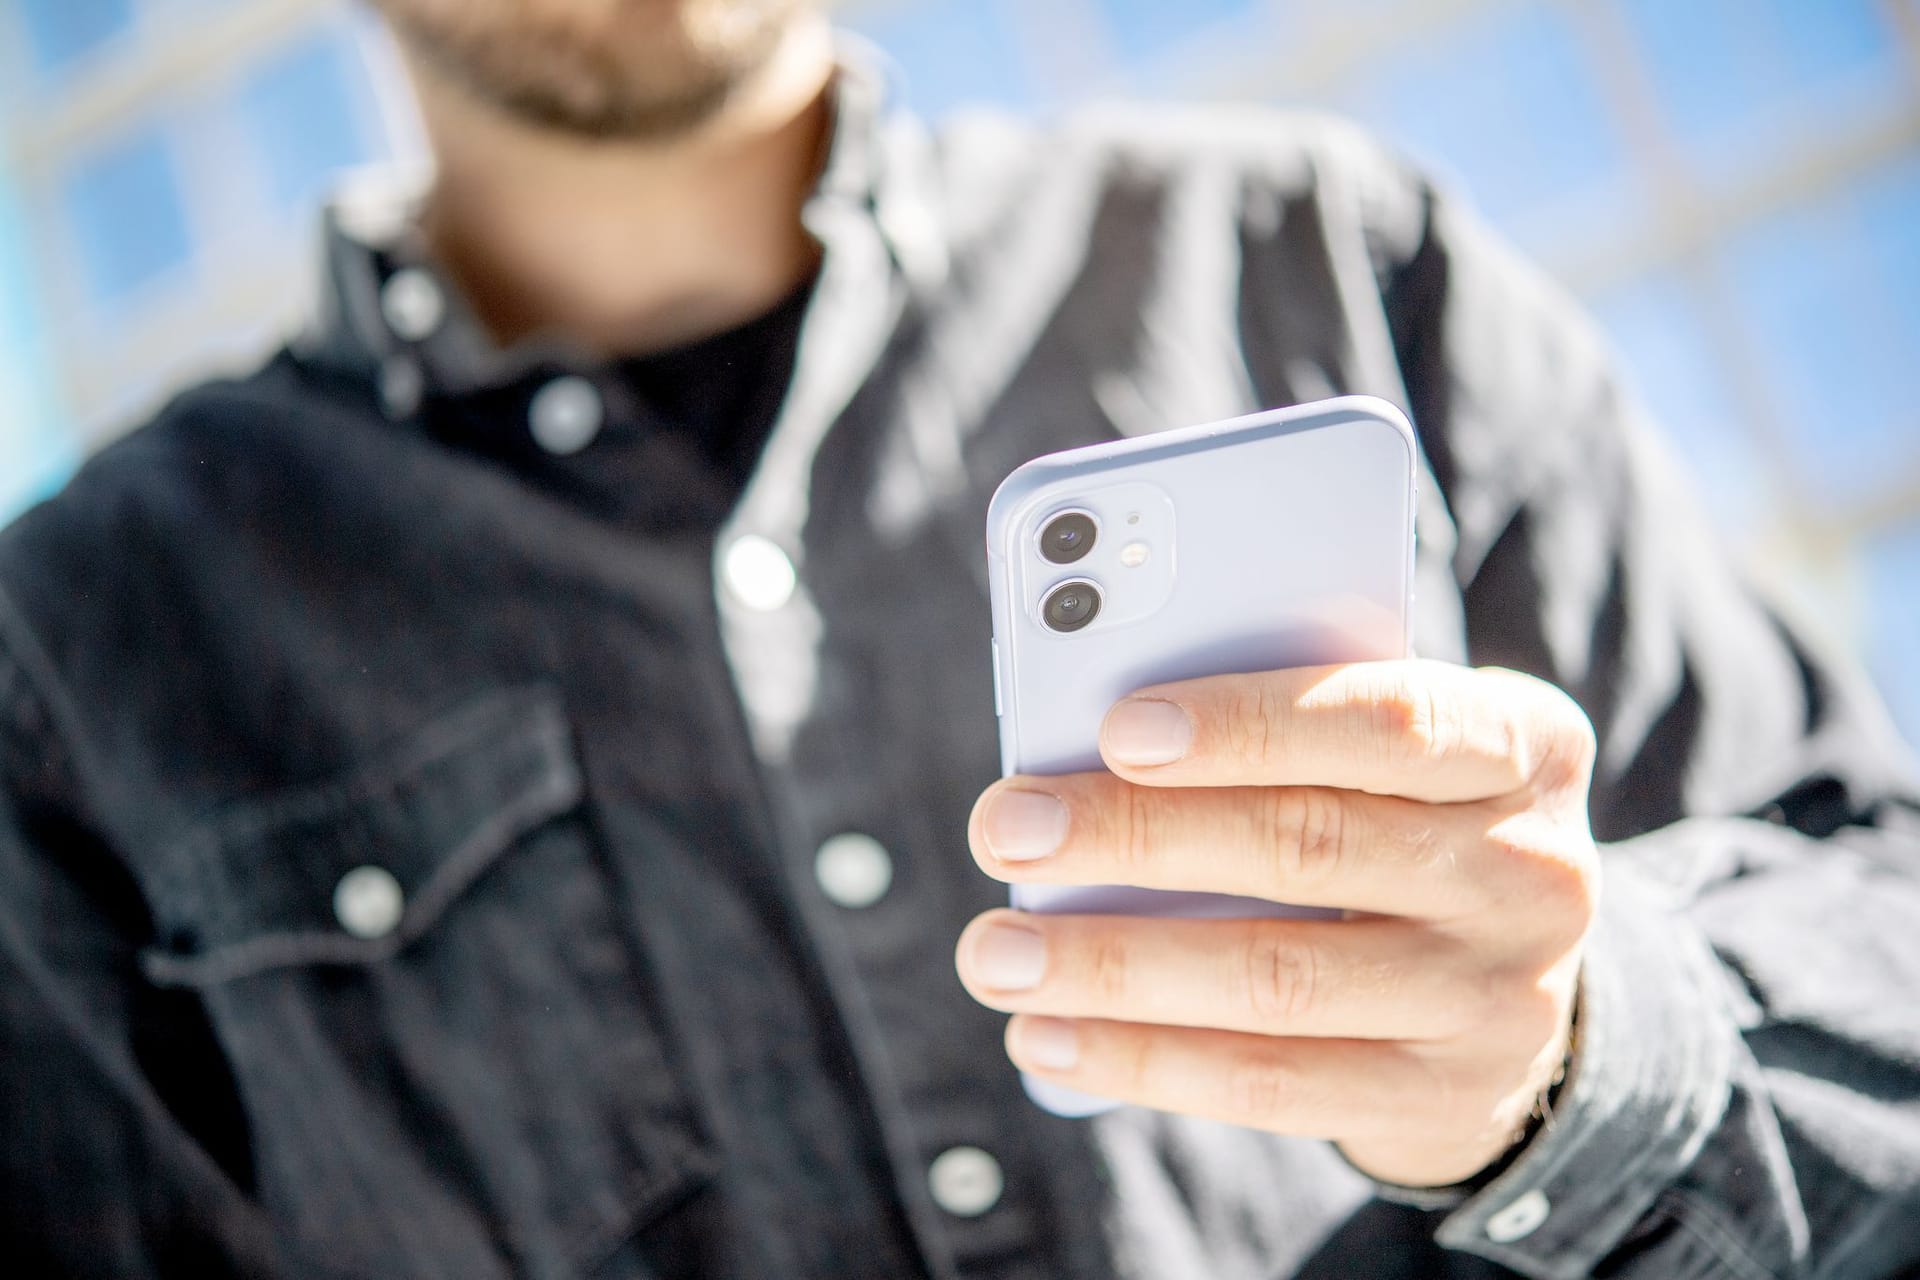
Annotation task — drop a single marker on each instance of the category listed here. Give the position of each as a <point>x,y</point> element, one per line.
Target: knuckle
<point>1132,1061</point>
<point>1566,748</point>
<point>1109,967</point>
<point>1573,750</point>
<point>1139,827</point>
<point>1442,1090</point>
<point>1556,873</point>
<point>1257,1088</point>
<point>1558,747</point>
<point>1282,979</point>
<point>1583,883</point>
<point>1311,829</point>
<point>1246,725</point>
<point>1517,1004</point>
<point>1487,1005</point>
<point>1539,1013</point>
<point>1570,892</point>
<point>1407,722</point>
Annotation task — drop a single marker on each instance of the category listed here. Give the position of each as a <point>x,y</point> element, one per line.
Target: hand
<point>1444,809</point>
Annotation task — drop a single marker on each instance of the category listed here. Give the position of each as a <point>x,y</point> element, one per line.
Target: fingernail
<point>1147,731</point>
<point>1009,958</point>
<point>1053,1043</point>
<point>1023,825</point>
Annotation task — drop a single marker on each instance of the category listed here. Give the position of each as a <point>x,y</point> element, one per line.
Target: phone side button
<point>994,648</point>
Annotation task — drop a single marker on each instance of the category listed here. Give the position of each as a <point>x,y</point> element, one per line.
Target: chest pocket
<point>437,1022</point>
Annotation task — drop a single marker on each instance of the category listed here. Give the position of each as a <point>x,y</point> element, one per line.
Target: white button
<point>965,1181</point>
<point>758,573</point>
<point>1519,1219</point>
<point>565,415</point>
<point>368,902</point>
<point>853,869</point>
<point>401,386</point>
<point>412,303</point>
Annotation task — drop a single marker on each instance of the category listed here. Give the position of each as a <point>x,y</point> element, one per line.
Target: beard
<point>596,68</point>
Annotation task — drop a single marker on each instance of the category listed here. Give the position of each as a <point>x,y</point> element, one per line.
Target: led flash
<point>1133,555</point>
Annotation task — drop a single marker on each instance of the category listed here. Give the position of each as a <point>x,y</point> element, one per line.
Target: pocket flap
<point>350,870</point>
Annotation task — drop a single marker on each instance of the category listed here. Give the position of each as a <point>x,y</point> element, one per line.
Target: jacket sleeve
<point>124,1152</point>
<point>1745,1097</point>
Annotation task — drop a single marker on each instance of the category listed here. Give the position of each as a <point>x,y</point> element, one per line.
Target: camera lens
<point>1071,606</point>
<point>1067,537</point>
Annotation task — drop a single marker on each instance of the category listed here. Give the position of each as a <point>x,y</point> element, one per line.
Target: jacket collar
<point>387,315</point>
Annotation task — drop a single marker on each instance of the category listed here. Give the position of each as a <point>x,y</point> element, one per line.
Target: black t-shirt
<point>723,391</point>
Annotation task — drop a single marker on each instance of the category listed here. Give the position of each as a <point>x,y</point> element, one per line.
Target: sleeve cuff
<point>1649,1083</point>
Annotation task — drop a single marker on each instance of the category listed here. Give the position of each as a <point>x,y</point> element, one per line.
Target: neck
<point>628,246</point>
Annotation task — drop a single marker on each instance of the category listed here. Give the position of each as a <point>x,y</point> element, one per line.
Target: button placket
<point>401,386</point>
<point>1519,1219</point>
<point>965,1181</point>
<point>758,573</point>
<point>853,870</point>
<point>368,902</point>
<point>412,303</point>
<point>565,415</point>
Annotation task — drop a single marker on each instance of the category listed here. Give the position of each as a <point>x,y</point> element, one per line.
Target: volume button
<point>994,648</point>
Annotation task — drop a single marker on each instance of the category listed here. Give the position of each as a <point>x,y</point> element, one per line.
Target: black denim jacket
<point>411,783</point>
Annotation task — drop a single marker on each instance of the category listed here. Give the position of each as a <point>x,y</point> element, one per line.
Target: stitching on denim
<point>439,740</point>
<point>645,1195</point>
<point>556,791</point>
<point>1705,1224</point>
<point>196,862</point>
<point>1862,1231</point>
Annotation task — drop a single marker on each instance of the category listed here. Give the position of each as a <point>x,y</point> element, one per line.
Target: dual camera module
<point>1066,539</point>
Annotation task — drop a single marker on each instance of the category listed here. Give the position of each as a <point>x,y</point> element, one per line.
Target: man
<point>485,794</point>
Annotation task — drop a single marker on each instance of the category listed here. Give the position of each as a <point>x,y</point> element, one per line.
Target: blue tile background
<point>1506,101</point>
<point>955,52</point>
<point>61,32</point>
<point>1829,293</point>
<point>127,214</point>
<point>1735,77</point>
<point>1893,572</point>
<point>1143,28</point>
<point>1661,335</point>
<point>36,449</point>
<point>303,110</point>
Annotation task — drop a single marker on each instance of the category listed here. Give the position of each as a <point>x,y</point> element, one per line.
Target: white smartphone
<point>1282,539</point>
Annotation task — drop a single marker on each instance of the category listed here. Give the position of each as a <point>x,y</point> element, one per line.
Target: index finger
<point>1418,729</point>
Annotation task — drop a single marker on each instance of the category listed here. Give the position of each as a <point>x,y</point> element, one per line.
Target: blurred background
<point>1732,185</point>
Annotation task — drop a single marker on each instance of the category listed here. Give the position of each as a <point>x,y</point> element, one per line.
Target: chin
<point>603,68</point>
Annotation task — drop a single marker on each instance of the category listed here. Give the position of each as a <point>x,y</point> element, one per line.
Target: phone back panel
<point>1282,539</point>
